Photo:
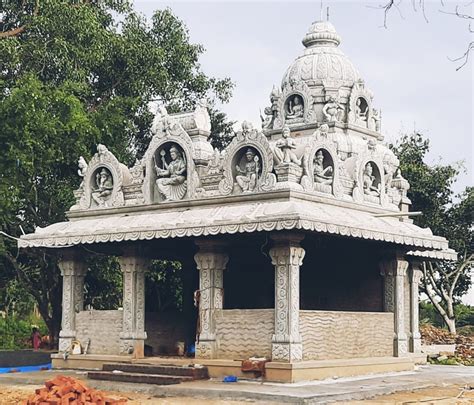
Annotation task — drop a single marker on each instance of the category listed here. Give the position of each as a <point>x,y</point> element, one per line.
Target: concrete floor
<point>327,391</point>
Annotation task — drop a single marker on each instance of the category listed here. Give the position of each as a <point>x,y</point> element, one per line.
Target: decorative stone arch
<point>359,91</point>
<point>104,159</point>
<point>291,89</point>
<point>377,164</point>
<point>243,140</point>
<point>173,133</point>
<point>329,150</point>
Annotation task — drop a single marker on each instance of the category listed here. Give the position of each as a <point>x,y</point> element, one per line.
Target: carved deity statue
<point>103,187</point>
<point>171,182</point>
<point>295,107</point>
<point>270,112</point>
<point>247,176</point>
<point>374,122</point>
<point>369,181</point>
<point>332,110</point>
<point>82,164</point>
<point>322,175</point>
<point>284,149</point>
<point>361,116</point>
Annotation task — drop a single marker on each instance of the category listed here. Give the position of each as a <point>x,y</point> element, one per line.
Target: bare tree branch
<point>464,57</point>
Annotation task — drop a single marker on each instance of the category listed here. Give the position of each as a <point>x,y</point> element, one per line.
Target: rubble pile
<point>464,349</point>
<point>431,335</point>
<point>63,390</point>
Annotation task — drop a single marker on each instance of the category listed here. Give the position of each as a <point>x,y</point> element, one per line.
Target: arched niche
<point>247,165</point>
<point>170,172</point>
<point>236,155</point>
<point>103,181</point>
<point>321,169</point>
<point>101,184</point>
<point>371,182</point>
<point>165,138</point>
<point>294,106</point>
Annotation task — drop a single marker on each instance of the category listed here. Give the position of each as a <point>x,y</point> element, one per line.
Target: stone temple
<point>296,239</point>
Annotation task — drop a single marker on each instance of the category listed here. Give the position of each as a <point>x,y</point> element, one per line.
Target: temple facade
<point>296,239</point>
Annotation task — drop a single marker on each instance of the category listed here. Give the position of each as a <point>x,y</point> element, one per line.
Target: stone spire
<point>321,33</point>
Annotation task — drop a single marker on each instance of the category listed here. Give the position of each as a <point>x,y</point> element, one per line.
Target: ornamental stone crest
<point>295,105</point>
<point>248,163</point>
<point>104,179</point>
<point>170,174</point>
<point>360,108</point>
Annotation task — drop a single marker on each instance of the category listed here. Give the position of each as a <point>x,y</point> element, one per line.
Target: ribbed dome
<point>322,59</point>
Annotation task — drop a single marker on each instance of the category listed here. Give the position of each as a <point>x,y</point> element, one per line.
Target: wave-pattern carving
<point>336,335</point>
<point>243,333</point>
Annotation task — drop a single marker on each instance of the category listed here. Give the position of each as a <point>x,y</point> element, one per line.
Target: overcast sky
<point>406,65</point>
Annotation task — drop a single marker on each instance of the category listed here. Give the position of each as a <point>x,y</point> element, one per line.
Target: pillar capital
<point>394,266</point>
<point>72,264</point>
<point>133,263</point>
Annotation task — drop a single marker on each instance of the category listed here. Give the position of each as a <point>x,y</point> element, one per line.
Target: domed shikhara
<point>322,60</point>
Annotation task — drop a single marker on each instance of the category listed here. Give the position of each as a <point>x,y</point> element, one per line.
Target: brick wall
<point>102,327</point>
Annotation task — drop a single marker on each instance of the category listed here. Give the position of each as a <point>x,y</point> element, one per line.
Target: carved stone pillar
<point>133,335</point>
<point>211,261</point>
<point>73,270</point>
<point>287,257</point>
<point>394,271</point>
<point>415,278</point>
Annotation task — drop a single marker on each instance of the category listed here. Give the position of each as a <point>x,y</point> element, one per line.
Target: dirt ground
<point>14,394</point>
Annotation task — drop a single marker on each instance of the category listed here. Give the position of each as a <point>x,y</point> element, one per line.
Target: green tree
<point>73,74</point>
<point>447,215</point>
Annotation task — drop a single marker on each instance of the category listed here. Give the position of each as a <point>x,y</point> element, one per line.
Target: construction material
<point>63,390</point>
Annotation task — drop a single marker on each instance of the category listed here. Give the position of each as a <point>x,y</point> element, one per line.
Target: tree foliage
<point>447,215</point>
<point>73,74</point>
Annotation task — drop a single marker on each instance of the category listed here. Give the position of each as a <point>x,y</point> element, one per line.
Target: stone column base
<point>206,349</point>
<point>287,352</point>
<point>415,344</point>
<point>400,346</point>
<point>133,345</point>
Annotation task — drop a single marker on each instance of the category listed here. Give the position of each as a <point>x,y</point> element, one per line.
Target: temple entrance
<point>170,315</point>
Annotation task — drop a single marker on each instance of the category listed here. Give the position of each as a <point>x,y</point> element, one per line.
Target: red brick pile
<point>431,335</point>
<point>62,390</point>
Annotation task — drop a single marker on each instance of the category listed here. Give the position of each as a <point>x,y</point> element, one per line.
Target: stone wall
<point>102,328</point>
<point>243,333</point>
<point>336,335</point>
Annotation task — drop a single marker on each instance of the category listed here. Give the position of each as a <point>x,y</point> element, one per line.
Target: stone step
<point>196,373</point>
<point>140,378</point>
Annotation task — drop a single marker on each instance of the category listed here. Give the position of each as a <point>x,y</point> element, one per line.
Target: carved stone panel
<point>287,257</point>
<point>170,173</point>
<point>248,164</point>
<point>73,271</point>
<point>104,180</point>
<point>211,262</point>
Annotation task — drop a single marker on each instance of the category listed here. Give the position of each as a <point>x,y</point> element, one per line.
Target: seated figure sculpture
<point>104,186</point>
<point>295,108</point>
<point>247,177</point>
<point>369,182</point>
<point>361,116</point>
<point>284,149</point>
<point>322,175</point>
<point>171,180</point>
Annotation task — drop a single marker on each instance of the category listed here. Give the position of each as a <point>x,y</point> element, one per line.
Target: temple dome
<point>322,61</point>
